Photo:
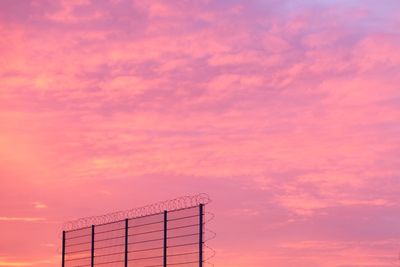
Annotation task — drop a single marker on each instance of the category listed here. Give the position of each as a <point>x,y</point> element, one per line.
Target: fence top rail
<point>158,208</point>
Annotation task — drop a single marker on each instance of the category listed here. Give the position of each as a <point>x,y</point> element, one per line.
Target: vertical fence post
<point>92,250</point>
<point>63,249</point>
<point>126,242</point>
<point>165,238</point>
<point>201,211</point>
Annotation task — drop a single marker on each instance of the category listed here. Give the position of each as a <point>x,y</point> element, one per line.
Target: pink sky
<point>287,112</point>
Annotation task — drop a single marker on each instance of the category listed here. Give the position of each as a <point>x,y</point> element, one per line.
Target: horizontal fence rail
<point>159,207</point>
<point>167,238</point>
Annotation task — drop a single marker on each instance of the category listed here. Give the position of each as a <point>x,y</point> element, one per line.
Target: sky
<point>286,112</point>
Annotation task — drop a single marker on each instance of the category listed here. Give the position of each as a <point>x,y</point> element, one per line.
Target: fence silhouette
<point>173,237</point>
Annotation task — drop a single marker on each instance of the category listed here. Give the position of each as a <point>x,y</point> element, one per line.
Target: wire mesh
<point>159,207</point>
<point>173,238</point>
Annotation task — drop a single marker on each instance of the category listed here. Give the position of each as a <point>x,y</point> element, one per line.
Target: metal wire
<point>210,252</point>
<point>156,208</point>
<point>105,244</point>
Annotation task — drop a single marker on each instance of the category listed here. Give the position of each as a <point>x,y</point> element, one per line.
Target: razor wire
<point>209,235</point>
<point>141,229</point>
<point>156,208</point>
<point>141,240</point>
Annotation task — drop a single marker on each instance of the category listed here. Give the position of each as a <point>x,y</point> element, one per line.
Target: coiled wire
<point>156,208</point>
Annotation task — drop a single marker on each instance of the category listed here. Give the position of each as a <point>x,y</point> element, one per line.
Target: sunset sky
<point>286,112</point>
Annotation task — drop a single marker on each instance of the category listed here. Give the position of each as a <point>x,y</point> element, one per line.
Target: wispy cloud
<point>287,112</point>
<point>39,205</point>
<point>22,219</point>
<point>23,263</point>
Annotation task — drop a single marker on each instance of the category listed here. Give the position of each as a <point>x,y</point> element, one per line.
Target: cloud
<point>21,219</point>
<point>39,205</point>
<point>8,263</point>
<point>287,111</point>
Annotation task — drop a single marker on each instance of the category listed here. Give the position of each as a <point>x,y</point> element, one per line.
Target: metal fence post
<point>126,242</point>
<point>92,250</point>
<point>201,211</point>
<point>165,238</point>
<point>63,249</point>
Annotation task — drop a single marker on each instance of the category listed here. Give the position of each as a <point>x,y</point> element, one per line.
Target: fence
<point>173,237</point>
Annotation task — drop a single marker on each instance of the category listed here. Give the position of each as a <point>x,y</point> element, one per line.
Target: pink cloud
<point>286,113</point>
